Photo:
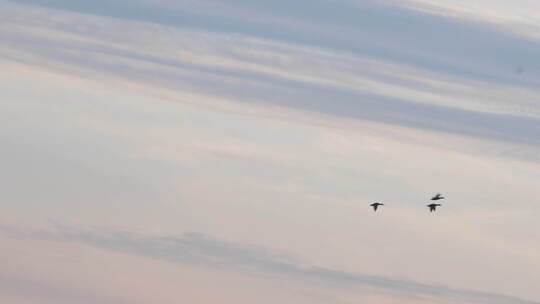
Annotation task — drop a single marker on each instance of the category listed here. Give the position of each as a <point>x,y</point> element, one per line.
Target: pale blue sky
<point>228,151</point>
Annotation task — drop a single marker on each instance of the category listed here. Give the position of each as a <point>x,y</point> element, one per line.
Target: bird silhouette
<point>437,197</point>
<point>433,207</point>
<point>376,205</point>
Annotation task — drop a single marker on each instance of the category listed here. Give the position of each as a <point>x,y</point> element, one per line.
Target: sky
<point>159,151</point>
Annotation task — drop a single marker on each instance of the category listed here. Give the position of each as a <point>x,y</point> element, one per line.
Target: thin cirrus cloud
<point>463,73</point>
<point>466,49</point>
<point>203,251</point>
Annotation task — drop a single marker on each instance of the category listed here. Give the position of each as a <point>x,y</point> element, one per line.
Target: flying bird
<point>432,207</point>
<point>437,197</point>
<point>376,205</point>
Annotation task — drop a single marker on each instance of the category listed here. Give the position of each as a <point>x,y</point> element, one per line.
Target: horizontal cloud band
<point>200,250</point>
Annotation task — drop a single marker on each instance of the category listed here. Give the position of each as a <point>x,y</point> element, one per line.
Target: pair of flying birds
<point>432,206</point>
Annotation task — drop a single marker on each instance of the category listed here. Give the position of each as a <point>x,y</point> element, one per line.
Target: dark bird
<point>432,207</point>
<point>376,205</point>
<point>437,197</point>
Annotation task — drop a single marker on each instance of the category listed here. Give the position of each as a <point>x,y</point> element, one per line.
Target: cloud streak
<point>200,250</point>
<point>371,28</point>
<point>366,93</point>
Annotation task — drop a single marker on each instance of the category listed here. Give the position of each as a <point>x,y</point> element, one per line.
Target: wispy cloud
<point>371,28</point>
<point>204,251</point>
<point>460,84</point>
